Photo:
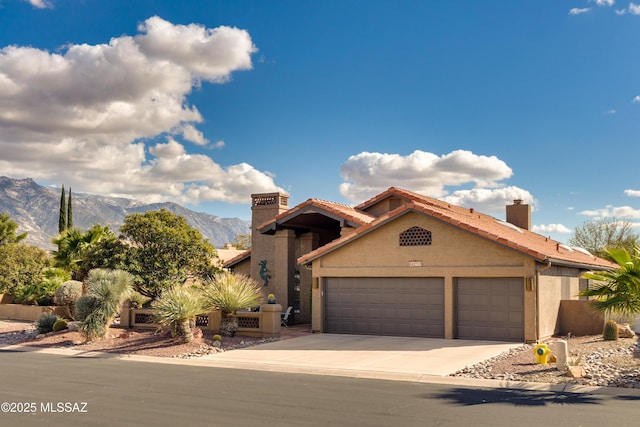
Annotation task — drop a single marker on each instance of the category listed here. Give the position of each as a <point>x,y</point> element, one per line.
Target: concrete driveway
<point>362,355</point>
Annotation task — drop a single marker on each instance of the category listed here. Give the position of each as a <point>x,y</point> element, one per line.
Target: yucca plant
<point>228,293</point>
<point>178,307</point>
<point>106,291</point>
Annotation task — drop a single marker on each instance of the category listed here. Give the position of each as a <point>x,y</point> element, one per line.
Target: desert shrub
<point>67,294</point>
<point>20,264</point>
<point>178,307</point>
<point>45,322</point>
<point>85,305</point>
<point>229,292</point>
<point>60,325</point>
<point>137,300</point>
<point>42,290</point>
<point>35,294</point>
<point>106,291</point>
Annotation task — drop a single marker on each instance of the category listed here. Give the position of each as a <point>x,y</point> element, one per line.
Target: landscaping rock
<point>575,371</point>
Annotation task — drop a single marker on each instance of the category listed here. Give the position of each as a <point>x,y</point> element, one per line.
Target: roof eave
<point>576,264</point>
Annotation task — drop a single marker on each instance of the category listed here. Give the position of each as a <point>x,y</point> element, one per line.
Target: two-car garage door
<point>485,308</point>
<point>385,306</point>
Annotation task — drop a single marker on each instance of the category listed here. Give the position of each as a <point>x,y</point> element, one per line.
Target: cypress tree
<point>69,213</point>
<point>62,219</point>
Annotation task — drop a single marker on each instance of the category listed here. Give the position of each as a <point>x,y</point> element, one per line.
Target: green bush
<point>60,325</point>
<point>67,294</point>
<point>41,291</point>
<point>46,321</point>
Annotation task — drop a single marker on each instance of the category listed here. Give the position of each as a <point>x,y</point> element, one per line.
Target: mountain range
<point>36,208</point>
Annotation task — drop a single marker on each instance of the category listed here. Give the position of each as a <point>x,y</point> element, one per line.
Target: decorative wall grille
<point>202,320</point>
<point>143,318</point>
<point>415,236</point>
<point>249,322</point>
<point>265,200</point>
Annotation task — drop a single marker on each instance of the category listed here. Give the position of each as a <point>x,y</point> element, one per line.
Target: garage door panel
<point>385,306</point>
<point>490,308</point>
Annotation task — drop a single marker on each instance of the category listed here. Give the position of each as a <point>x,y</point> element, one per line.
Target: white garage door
<point>490,309</point>
<point>385,306</point>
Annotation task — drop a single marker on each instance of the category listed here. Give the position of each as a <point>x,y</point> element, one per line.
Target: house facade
<point>409,265</point>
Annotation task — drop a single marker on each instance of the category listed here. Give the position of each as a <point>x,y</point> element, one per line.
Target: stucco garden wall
<point>552,290</point>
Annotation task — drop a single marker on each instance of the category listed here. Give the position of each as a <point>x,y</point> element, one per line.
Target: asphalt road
<point>53,390</point>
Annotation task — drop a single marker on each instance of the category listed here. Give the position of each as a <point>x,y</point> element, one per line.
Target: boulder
<point>575,371</point>
<point>624,331</point>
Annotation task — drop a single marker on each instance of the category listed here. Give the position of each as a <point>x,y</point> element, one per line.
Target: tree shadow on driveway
<point>471,396</point>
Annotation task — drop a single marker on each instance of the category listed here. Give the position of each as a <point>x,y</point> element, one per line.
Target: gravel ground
<point>606,364</point>
<point>147,343</point>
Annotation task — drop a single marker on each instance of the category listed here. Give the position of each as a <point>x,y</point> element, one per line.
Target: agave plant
<point>178,307</point>
<point>228,293</point>
<point>106,291</point>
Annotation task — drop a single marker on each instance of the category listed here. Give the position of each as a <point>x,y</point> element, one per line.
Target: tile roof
<point>527,242</point>
<point>338,209</point>
<point>236,259</point>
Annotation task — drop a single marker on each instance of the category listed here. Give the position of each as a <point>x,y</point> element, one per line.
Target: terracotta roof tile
<point>236,259</point>
<point>524,241</point>
<point>339,209</point>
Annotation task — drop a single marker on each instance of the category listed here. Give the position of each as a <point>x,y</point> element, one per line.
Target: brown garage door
<point>385,306</point>
<point>490,309</point>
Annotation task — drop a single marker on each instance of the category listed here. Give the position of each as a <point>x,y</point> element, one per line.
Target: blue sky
<point>205,102</point>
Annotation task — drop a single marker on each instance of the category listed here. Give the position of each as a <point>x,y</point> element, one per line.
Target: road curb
<point>209,361</point>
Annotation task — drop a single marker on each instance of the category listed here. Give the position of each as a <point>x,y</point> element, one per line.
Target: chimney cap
<point>517,202</point>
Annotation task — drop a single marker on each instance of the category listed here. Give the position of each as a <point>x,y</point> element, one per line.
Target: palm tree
<point>228,293</point>
<point>617,290</point>
<point>178,307</point>
<point>73,244</point>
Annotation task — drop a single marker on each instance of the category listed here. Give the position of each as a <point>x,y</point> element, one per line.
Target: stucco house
<point>409,265</point>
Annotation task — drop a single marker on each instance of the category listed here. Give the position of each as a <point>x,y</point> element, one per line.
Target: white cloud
<point>632,193</point>
<point>367,174</point>
<point>610,111</point>
<point>578,11</point>
<point>636,99</point>
<point>625,212</point>
<point>551,228</point>
<point>83,116</point>
<point>621,11</point>
<point>489,200</point>
<point>190,133</point>
<point>604,2</point>
<point>634,9</point>
<point>40,4</point>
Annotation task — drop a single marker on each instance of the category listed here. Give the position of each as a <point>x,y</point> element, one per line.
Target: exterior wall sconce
<point>528,284</point>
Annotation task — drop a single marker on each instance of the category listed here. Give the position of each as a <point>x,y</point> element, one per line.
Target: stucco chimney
<point>519,214</point>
